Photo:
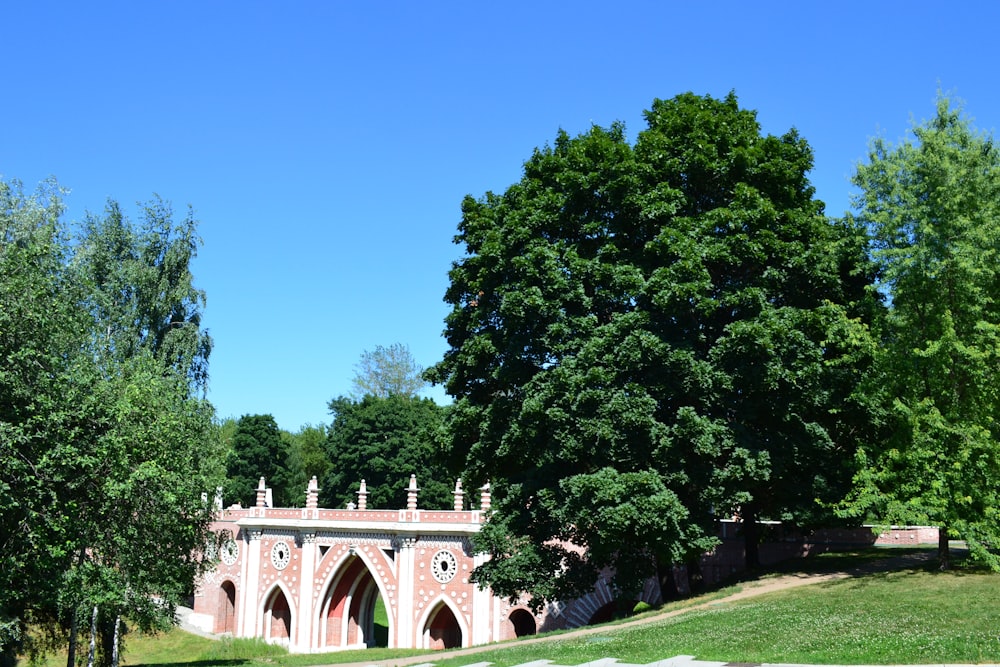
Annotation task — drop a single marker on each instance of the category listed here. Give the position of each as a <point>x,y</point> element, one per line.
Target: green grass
<point>177,647</point>
<point>909,617</point>
<point>915,616</point>
<point>840,561</point>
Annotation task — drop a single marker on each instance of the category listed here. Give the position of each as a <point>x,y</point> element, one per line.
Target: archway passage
<point>611,611</point>
<point>347,615</point>
<point>225,619</point>
<point>523,622</point>
<point>278,618</point>
<point>443,630</point>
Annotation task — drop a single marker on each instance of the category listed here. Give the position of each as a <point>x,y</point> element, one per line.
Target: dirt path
<point>750,589</point>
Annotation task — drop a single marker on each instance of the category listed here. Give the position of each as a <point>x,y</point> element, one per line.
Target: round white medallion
<point>230,552</point>
<point>281,554</point>
<point>444,566</point>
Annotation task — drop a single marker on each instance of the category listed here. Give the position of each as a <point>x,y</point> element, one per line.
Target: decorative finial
<point>363,496</point>
<point>484,497</point>
<point>261,493</point>
<point>312,494</point>
<point>411,493</point>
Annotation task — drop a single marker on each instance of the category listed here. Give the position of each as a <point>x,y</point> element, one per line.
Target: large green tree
<point>145,328</point>
<point>42,408</point>
<point>643,338</point>
<point>90,439</point>
<point>932,204</point>
<point>257,450</point>
<point>383,440</point>
<point>140,528</point>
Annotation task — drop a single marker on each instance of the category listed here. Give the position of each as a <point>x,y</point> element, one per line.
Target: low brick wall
<point>909,535</point>
<point>780,543</point>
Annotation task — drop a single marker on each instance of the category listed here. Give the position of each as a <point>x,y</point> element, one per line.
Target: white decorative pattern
<point>230,552</point>
<point>333,538</point>
<point>444,566</point>
<point>281,554</point>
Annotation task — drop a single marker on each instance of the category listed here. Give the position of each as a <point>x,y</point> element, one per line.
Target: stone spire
<point>459,495</point>
<point>363,496</point>
<point>312,494</point>
<point>261,493</point>
<point>484,497</point>
<point>411,493</point>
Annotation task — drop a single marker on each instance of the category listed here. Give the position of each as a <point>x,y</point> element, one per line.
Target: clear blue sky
<point>326,146</point>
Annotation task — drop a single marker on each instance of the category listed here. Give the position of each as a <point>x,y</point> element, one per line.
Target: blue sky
<point>326,146</point>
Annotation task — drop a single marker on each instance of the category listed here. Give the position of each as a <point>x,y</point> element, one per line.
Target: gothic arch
<point>442,625</point>
<point>345,617</point>
<point>225,615</point>
<point>277,615</point>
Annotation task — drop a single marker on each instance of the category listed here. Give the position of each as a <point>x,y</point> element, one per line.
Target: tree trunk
<point>73,630</point>
<point>93,638</point>
<point>751,536</point>
<point>74,624</point>
<point>115,641</point>
<point>944,553</point>
<point>667,581</point>
<point>696,579</point>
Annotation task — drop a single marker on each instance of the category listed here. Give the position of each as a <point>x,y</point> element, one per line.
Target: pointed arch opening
<point>353,613</point>
<point>442,629</point>
<point>277,618</point>
<point>225,617</point>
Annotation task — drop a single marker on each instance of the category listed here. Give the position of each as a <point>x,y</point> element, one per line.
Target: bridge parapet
<point>358,513</point>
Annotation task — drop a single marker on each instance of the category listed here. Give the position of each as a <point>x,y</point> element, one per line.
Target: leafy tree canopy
<point>645,337</point>
<point>258,450</point>
<point>932,205</point>
<point>306,458</point>
<point>387,371</point>
<point>94,430</point>
<point>139,286</point>
<point>383,440</point>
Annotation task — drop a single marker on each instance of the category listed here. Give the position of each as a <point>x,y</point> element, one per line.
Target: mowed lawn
<point>915,616</point>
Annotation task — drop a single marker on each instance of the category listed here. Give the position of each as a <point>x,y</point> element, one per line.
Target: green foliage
<point>104,454</point>
<point>39,328</point>
<point>642,607</point>
<point>387,371</point>
<point>675,320</point>
<point>383,440</point>
<point>306,458</point>
<point>258,450</point>
<point>932,204</point>
<point>139,286</point>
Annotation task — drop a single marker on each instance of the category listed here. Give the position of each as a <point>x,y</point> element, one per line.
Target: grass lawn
<point>916,616</point>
